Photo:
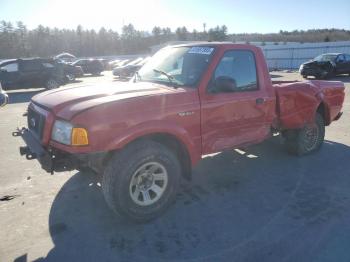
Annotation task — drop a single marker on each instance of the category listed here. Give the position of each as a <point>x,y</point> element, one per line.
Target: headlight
<point>64,132</point>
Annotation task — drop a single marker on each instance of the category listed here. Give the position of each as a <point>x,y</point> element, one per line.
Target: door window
<point>13,67</point>
<point>341,58</point>
<point>30,65</point>
<point>80,63</point>
<point>48,65</point>
<point>236,72</point>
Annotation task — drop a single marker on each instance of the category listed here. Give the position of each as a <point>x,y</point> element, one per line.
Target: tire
<point>128,176</point>
<point>70,77</point>
<point>330,74</point>
<point>51,84</point>
<point>322,75</point>
<point>306,140</point>
<point>304,76</point>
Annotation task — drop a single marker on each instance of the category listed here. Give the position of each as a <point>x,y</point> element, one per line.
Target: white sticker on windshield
<point>201,50</point>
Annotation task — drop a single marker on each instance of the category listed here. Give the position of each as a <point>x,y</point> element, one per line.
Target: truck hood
<point>69,101</point>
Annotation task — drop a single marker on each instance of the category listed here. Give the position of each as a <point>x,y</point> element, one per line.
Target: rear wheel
<point>141,181</point>
<point>306,140</point>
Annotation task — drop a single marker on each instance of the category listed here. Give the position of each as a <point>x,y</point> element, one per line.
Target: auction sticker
<point>203,50</point>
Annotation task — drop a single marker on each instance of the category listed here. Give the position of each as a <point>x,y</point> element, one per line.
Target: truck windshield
<point>182,66</point>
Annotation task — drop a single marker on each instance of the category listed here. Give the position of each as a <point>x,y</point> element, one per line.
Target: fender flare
<point>157,127</point>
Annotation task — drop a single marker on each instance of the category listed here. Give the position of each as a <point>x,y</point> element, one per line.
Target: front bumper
<point>309,71</point>
<point>54,160</point>
<point>50,160</point>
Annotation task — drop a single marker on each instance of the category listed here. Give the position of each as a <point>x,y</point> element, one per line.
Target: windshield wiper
<point>170,77</point>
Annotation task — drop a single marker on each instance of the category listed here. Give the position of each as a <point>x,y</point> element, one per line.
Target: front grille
<point>36,122</point>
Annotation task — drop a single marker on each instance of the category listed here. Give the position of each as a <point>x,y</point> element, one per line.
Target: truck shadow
<point>251,204</point>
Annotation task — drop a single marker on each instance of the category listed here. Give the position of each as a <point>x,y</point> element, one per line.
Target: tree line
<point>16,40</point>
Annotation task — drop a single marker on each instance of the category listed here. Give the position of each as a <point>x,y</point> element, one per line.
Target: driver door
<point>231,118</point>
<point>341,64</point>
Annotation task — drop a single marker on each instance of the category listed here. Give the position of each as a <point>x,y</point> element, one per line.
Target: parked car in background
<point>31,73</point>
<point>4,98</point>
<point>104,62</point>
<point>71,71</point>
<point>129,69</point>
<point>118,63</point>
<point>66,57</point>
<point>326,65</point>
<point>113,63</point>
<point>90,66</point>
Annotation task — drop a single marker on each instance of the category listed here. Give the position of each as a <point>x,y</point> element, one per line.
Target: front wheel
<point>307,139</point>
<point>141,181</point>
<point>70,77</point>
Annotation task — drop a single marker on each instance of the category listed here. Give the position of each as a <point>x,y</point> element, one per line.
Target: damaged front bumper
<point>53,160</point>
<point>49,159</point>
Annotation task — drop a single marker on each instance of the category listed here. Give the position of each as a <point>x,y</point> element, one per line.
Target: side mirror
<point>4,98</point>
<point>225,84</point>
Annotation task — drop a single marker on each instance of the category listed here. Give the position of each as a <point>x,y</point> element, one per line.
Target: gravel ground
<point>255,205</point>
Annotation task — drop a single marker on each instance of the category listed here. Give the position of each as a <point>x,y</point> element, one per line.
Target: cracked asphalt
<point>255,204</point>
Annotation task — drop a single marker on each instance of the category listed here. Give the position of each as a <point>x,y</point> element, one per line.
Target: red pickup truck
<point>186,102</point>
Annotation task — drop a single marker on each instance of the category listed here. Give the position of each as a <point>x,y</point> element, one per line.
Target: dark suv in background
<point>31,73</point>
<point>90,66</point>
<point>326,65</point>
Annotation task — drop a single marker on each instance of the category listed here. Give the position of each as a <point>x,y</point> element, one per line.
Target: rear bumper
<point>53,160</point>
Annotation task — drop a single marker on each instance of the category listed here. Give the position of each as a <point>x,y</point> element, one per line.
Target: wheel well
<point>170,141</point>
<point>323,111</point>
<point>176,146</point>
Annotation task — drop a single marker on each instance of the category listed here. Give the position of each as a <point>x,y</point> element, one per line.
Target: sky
<point>265,16</point>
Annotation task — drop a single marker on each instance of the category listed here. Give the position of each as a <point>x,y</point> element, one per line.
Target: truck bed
<point>298,101</point>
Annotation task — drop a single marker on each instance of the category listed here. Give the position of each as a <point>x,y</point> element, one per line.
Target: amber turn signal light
<point>79,137</point>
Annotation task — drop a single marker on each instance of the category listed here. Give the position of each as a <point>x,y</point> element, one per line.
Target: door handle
<point>260,101</point>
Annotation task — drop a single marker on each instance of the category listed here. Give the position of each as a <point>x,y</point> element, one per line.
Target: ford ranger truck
<point>185,102</point>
